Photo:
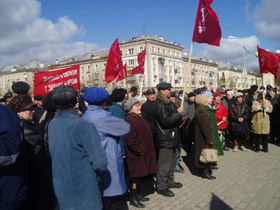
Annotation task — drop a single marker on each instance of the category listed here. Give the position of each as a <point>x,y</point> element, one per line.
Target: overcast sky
<point>47,30</point>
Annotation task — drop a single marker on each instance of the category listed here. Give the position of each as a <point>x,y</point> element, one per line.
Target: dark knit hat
<point>64,97</point>
<point>20,87</point>
<point>95,95</point>
<point>21,103</point>
<point>38,97</point>
<point>118,94</point>
<point>191,94</point>
<point>273,89</point>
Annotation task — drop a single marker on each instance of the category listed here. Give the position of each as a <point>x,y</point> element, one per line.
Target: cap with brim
<point>201,99</point>
<point>191,94</point>
<point>230,92</point>
<point>163,86</point>
<point>150,91</point>
<point>221,90</point>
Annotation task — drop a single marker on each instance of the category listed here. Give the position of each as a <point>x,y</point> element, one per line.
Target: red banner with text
<point>45,82</point>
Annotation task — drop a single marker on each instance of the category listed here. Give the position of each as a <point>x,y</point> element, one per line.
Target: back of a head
<point>48,103</point>
<point>118,94</point>
<point>64,97</point>
<point>21,102</point>
<point>20,88</point>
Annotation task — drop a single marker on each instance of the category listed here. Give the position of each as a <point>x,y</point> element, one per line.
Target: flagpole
<point>126,84</point>
<point>185,75</point>
<point>141,86</point>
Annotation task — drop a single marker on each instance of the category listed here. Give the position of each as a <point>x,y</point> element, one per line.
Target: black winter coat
<point>239,129</point>
<point>167,121</point>
<point>147,113</point>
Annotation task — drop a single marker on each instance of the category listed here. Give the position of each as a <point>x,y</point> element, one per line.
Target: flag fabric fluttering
<point>207,28</point>
<point>114,62</point>
<point>121,75</point>
<point>141,63</point>
<point>269,62</point>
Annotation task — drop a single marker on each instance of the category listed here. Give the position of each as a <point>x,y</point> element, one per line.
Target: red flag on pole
<point>121,76</point>
<point>207,28</point>
<point>114,62</point>
<point>269,62</point>
<point>141,63</point>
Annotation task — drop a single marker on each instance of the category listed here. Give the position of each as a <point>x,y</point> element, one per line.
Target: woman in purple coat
<point>140,151</point>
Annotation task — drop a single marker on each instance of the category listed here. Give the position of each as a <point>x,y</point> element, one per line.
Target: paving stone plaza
<point>245,180</point>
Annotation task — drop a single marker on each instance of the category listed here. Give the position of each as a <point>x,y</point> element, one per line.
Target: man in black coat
<point>147,108</point>
<point>167,119</point>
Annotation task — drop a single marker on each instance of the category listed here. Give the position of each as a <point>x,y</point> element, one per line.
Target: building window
<point>153,49</point>
<point>82,69</point>
<point>163,51</point>
<point>104,66</point>
<point>174,53</point>
<point>82,79</point>
<point>88,69</point>
<point>88,78</point>
<point>96,68</point>
<point>141,49</point>
<point>158,50</point>
<point>131,62</point>
<point>131,51</point>
<point>169,52</point>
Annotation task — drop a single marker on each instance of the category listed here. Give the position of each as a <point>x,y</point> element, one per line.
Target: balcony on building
<point>131,78</point>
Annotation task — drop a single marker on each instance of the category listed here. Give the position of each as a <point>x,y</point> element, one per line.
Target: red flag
<point>114,62</point>
<point>207,28</point>
<point>269,62</point>
<point>121,76</point>
<point>45,82</point>
<point>141,63</point>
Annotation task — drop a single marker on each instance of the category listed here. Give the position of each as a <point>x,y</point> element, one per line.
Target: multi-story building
<point>165,61</point>
<point>19,72</point>
<point>236,77</point>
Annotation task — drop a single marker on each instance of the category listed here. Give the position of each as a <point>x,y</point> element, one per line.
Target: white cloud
<point>25,35</point>
<point>266,17</point>
<point>231,51</point>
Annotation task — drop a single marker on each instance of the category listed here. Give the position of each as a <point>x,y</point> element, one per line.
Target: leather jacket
<point>167,121</point>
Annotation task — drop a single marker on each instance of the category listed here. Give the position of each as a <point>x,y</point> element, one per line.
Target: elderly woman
<point>240,114</point>
<point>211,110</point>
<point>260,122</point>
<point>78,160</point>
<point>110,128</point>
<point>204,134</point>
<point>140,150</point>
<point>221,114</point>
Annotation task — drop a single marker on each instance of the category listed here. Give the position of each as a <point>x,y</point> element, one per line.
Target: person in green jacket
<point>211,111</point>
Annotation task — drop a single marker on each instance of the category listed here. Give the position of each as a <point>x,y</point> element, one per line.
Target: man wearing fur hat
<point>167,119</point>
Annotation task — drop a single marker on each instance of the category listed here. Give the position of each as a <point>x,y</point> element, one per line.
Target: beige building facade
<point>165,61</point>
<point>237,78</point>
<point>19,72</point>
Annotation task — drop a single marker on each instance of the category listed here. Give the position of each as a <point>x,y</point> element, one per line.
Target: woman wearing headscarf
<point>260,122</point>
<point>109,128</point>
<point>140,150</point>
<point>204,134</point>
<point>78,160</point>
<point>211,110</point>
<point>240,115</point>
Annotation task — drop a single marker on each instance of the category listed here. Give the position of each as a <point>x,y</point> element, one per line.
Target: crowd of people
<point>96,150</point>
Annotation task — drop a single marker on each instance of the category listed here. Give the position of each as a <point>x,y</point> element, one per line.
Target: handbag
<point>209,155</point>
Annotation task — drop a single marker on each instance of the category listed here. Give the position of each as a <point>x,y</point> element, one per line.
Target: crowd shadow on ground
<point>218,204</point>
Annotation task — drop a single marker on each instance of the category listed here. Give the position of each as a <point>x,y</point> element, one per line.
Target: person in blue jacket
<point>13,162</point>
<point>119,97</point>
<point>78,160</point>
<point>109,128</point>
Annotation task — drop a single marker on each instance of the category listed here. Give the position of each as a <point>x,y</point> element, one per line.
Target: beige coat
<point>260,120</point>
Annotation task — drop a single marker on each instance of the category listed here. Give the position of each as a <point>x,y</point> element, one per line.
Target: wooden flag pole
<point>185,75</point>
<point>141,86</point>
<point>126,84</point>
